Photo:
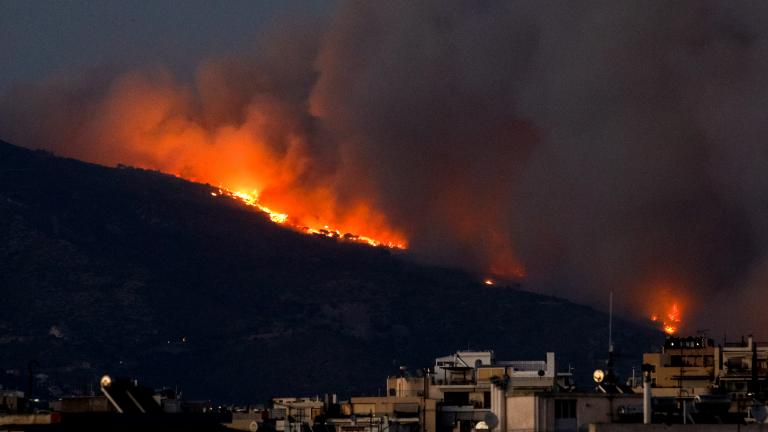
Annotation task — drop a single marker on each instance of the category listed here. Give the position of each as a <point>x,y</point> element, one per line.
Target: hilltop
<point>138,273</point>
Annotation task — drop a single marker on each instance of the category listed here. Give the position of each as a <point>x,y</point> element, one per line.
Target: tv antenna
<point>610,321</point>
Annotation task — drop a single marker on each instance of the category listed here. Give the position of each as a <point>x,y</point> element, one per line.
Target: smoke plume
<point>580,147</point>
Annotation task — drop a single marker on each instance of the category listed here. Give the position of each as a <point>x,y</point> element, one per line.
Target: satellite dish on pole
<point>106,381</point>
<point>598,375</point>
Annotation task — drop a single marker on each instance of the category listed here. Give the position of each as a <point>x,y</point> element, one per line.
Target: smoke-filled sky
<point>580,146</point>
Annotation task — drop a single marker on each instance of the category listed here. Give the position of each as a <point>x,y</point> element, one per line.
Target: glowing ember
<point>488,282</point>
<point>252,199</point>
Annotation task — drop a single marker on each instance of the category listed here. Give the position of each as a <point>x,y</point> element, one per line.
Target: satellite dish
<point>759,412</point>
<point>490,420</point>
<point>253,427</point>
<point>106,381</point>
<point>598,375</point>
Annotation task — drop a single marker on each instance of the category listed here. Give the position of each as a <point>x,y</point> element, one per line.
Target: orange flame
<point>669,300</point>
<point>670,321</point>
<point>252,199</point>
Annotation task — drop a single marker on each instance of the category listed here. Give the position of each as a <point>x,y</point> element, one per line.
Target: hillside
<point>138,273</point>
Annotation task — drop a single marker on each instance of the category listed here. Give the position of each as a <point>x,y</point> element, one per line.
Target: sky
<point>45,37</point>
<point>580,147</point>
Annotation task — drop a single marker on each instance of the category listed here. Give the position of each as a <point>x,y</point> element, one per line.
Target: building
<point>82,404</point>
<point>291,414</point>
<point>471,390</point>
<point>468,387</point>
<point>393,413</point>
<point>11,401</point>
<point>684,367</point>
<point>741,373</point>
<point>741,369</point>
<point>569,412</point>
<point>694,372</point>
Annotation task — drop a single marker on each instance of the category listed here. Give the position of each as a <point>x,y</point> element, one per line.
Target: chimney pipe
<point>647,369</point>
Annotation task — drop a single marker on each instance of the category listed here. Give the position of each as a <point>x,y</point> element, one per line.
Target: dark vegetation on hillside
<point>141,274</point>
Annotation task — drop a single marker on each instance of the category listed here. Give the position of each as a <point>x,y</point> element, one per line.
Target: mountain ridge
<point>133,272</point>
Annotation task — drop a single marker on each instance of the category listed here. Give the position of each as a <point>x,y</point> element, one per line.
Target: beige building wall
<point>28,419</point>
<point>380,405</point>
<point>627,427</point>
<point>521,413</point>
<point>405,387</point>
<point>536,412</point>
<point>387,405</point>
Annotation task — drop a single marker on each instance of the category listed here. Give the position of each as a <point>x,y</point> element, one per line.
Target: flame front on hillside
<point>252,199</point>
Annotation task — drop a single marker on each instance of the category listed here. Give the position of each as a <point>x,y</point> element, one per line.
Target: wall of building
<point>626,427</point>
<point>244,421</point>
<point>521,413</point>
<point>389,406</point>
<point>82,404</point>
<point>381,405</point>
<point>405,386</point>
<point>589,408</point>
<point>734,367</point>
<point>11,402</point>
<point>29,419</point>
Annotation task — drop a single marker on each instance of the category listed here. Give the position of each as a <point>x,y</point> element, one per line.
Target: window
<point>565,408</point>
<point>456,398</point>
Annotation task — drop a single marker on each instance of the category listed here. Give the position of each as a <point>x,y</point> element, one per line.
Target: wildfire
<point>670,321</point>
<point>252,199</point>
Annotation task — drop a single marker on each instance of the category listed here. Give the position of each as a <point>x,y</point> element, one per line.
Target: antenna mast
<point>610,321</point>
<point>610,376</point>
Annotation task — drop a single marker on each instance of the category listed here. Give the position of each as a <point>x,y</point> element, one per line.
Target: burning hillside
<point>252,199</point>
<point>121,261</point>
<point>580,146</point>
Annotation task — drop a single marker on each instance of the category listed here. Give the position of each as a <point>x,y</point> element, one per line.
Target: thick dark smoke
<point>586,145</point>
